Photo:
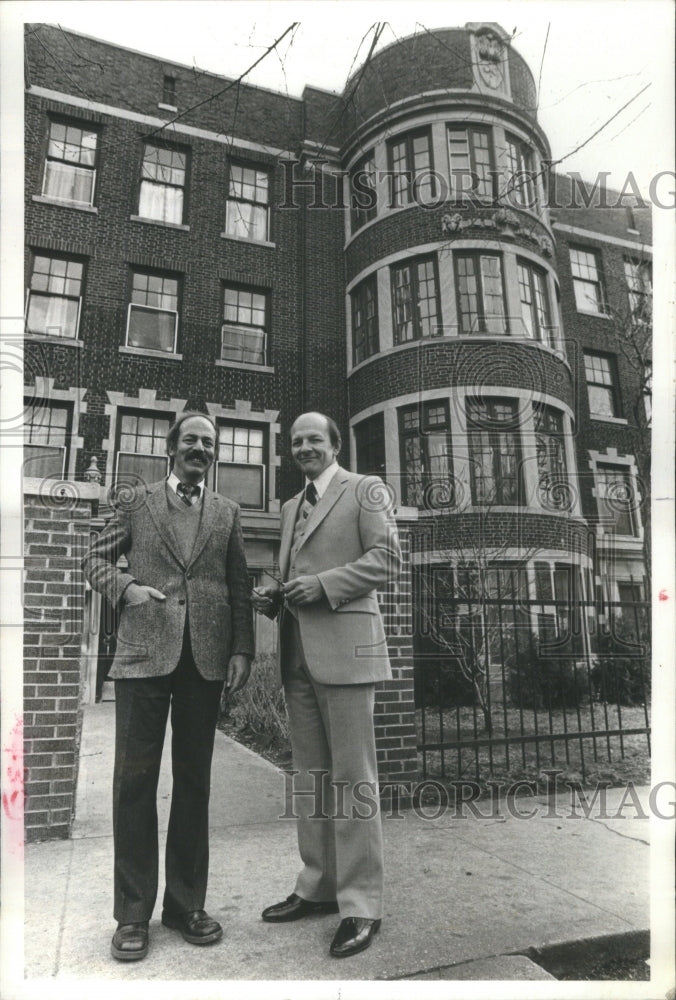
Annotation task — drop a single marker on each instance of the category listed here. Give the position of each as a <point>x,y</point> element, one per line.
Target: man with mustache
<point>337,546</point>
<point>185,629</point>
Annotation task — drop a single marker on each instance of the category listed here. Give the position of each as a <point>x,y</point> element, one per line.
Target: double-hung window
<point>247,207</point>
<point>638,274</point>
<point>495,451</point>
<point>410,168</point>
<point>481,295</point>
<point>369,437</point>
<point>141,446</point>
<point>46,437</point>
<point>551,458</point>
<point>617,499</point>
<point>240,469</point>
<point>244,332</point>
<point>601,385</point>
<point>363,191</point>
<point>163,175</point>
<point>152,322</point>
<point>70,167</point>
<point>425,448</point>
<point>471,155</point>
<point>365,319</point>
<point>415,300</point>
<point>587,283</point>
<point>536,317</point>
<point>520,184</point>
<point>54,296</point>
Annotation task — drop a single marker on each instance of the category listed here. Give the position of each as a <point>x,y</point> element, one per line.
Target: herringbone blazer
<point>212,588</point>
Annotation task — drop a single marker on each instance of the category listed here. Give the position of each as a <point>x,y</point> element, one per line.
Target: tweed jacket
<point>350,542</point>
<point>212,588</point>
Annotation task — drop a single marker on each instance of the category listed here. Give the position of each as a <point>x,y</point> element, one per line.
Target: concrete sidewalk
<point>467,898</point>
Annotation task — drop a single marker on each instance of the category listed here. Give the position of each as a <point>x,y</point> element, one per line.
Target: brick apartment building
<point>191,243</point>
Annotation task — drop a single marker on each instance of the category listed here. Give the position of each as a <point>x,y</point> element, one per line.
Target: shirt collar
<point>173,482</point>
<point>323,479</point>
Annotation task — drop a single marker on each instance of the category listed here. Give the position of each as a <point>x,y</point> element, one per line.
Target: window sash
<point>246,220</point>
<point>363,199</point>
<point>44,461</point>
<point>535,309</point>
<point>410,165</point>
<point>69,182</point>
<point>247,345</point>
<point>243,482</point>
<point>415,300</point>
<point>481,294</point>
<point>365,339</point>
<point>140,467</point>
<point>615,491</point>
<point>426,457</point>
<point>53,315</point>
<point>162,202</point>
<point>470,152</point>
<point>151,329</point>
<point>600,386</point>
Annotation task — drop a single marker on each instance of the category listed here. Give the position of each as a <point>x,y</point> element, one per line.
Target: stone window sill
<point>147,353</point>
<point>160,222</point>
<point>43,200</point>
<point>243,239</point>
<point>268,369</point>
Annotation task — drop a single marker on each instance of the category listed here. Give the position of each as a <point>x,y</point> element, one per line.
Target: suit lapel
<point>288,523</point>
<point>156,501</point>
<point>206,527</point>
<point>334,490</point>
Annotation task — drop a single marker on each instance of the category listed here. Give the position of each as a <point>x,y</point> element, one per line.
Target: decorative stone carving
<point>490,51</point>
<point>502,220</point>
<point>92,472</point>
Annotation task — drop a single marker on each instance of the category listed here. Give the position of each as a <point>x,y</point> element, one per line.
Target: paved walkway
<point>467,898</point>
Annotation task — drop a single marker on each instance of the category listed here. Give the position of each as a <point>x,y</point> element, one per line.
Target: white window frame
<point>30,291</point>
<point>75,166</point>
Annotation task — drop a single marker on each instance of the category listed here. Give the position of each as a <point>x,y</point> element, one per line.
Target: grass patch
<point>256,715</point>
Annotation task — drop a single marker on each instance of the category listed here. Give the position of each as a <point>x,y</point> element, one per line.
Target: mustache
<point>196,454</point>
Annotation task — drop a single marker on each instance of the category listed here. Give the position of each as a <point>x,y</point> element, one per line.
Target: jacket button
<point>181,601</point>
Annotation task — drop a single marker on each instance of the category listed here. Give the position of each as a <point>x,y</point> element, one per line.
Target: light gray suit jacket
<point>212,587</point>
<point>351,544</point>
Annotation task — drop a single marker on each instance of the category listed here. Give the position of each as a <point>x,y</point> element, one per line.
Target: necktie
<point>311,494</point>
<point>186,492</point>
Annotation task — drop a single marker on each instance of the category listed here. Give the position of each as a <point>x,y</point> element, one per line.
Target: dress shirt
<point>323,479</point>
<point>173,481</point>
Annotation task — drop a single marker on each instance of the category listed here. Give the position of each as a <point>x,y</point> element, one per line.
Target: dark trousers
<point>141,710</point>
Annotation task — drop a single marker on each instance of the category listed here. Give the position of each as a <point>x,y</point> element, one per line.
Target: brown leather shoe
<point>294,907</point>
<point>130,942</point>
<point>197,927</point>
<point>353,935</point>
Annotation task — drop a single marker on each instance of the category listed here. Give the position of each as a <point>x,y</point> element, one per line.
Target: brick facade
<point>308,267</point>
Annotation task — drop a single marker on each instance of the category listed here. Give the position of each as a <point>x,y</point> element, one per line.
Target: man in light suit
<point>185,628</point>
<point>337,546</point>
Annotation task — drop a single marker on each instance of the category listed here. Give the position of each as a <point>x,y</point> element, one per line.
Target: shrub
<point>259,706</point>
<point>440,681</point>
<point>621,671</point>
<point>537,681</point>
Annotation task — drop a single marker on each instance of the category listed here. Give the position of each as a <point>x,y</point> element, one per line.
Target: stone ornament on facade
<point>491,55</point>
<point>502,220</point>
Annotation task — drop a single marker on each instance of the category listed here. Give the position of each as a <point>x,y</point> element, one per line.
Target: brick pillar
<point>57,518</point>
<point>396,736</point>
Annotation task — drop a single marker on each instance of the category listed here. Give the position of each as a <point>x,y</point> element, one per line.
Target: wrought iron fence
<point>510,687</point>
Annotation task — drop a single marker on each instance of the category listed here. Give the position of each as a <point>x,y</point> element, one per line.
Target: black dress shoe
<point>197,927</point>
<point>130,942</point>
<point>353,935</point>
<point>294,907</point>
